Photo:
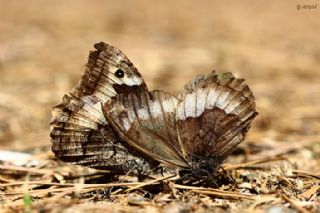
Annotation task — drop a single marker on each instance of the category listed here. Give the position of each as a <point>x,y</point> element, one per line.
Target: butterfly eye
<point>119,73</point>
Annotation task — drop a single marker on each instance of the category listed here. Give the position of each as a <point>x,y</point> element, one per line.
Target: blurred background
<point>44,46</point>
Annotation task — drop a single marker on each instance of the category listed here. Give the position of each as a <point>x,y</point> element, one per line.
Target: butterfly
<point>112,121</point>
<point>195,132</point>
<point>80,134</point>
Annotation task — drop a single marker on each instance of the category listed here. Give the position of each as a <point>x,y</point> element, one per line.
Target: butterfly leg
<point>160,169</point>
<point>230,178</point>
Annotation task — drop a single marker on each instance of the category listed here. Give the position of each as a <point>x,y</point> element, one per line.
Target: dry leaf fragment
<point>310,192</point>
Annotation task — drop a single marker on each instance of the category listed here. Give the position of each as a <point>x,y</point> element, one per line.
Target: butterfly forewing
<point>147,123</point>
<point>80,133</point>
<point>213,114</point>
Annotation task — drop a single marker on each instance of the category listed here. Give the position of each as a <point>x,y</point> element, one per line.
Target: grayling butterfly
<point>136,128</point>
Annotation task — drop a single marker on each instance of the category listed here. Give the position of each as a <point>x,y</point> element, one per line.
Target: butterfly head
<point>202,167</point>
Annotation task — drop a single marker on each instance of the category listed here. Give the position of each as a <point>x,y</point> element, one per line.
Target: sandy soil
<point>275,47</point>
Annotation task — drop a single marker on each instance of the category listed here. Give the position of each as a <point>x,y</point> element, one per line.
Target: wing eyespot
<point>119,73</point>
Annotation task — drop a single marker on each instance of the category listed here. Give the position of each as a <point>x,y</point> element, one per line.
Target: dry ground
<point>274,46</point>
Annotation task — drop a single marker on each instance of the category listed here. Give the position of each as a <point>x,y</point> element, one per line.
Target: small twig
<point>36,183</point>
<point>75,187</point>
<point>250,163</point>
<point>67,184</point>
<point>293,204</point>
<point>225,194</point>
<point>24,169</point>
<point>2,179</point>
<point>216,192</point>
<point>150,182</point>
<point>306,173</point>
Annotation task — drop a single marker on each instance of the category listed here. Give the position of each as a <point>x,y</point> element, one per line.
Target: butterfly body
<point>133,126</point>
<point>201,167</point>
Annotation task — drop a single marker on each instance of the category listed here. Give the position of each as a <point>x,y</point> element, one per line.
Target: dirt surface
<point>273,45</point>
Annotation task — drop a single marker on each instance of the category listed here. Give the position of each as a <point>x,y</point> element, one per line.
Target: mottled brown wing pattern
<point>80,133</point>
<point>195,133</point>
<point>147,123</point>
<point>213,114</point>
<point>111,120</point>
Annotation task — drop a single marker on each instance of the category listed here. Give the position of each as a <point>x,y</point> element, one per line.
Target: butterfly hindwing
<point>213,114</point>
<point>146,121</point>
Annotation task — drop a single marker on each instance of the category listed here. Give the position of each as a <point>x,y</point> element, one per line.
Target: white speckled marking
<point>190,105</point>
<point>97,106</point>
<point>169,105</point>
<point>155,108</point>
<point>201,101</point>
<point>143,113</point>
<point>212,98</point>
<point>131,116</point>
<point>106,91</point>
<point>132,81</point>
<point>205,100</point>
<point>126,124</point>
<point>180,111</point>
